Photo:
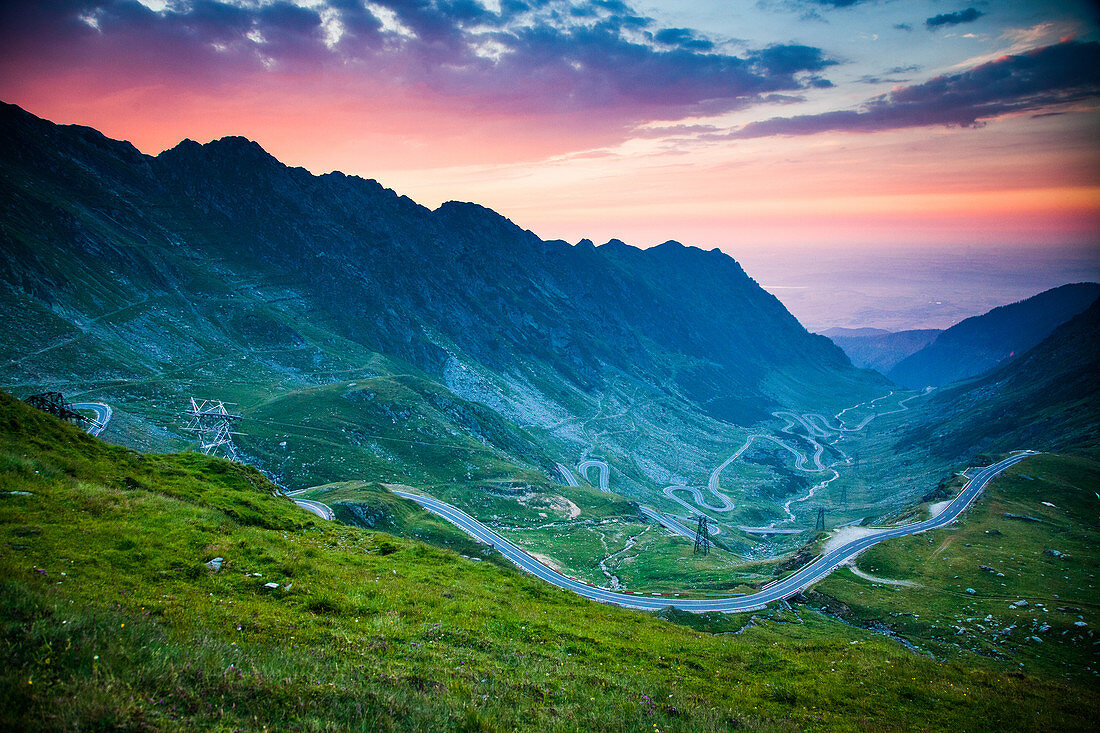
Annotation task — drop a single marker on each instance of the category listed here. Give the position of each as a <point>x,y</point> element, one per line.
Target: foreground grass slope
<point>1013,582</point>
<point>111,620</point>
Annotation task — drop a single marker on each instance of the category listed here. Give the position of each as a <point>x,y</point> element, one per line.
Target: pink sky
<point>606,130</point>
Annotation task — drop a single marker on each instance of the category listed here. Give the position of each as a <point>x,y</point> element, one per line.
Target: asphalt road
<point>570,479</point>
<point>605,471</point>
<point>807,576</point>
<point>668,522</point>
<point>321,510</point>
<point>102,412</point>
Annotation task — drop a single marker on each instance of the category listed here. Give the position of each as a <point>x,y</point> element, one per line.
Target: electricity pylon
<point>702,537</point>
<point>55,404</point>
<point>214,424</point>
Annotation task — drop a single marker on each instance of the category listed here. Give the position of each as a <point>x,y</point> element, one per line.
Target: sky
<point>776,130</point>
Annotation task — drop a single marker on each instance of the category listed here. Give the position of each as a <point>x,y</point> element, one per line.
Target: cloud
<point>1034,81</point>
<point>892,75</point>
<point>825,4</point>
<point>949,19</point>
<point>551,56</point>
<point>683,38</point>
<point>790,59</point>
<point>809,9</point>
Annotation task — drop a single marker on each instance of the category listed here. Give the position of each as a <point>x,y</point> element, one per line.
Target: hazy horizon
<point>911,289</point>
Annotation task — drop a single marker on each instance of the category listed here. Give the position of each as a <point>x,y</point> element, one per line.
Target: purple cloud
<point>533,56</point>
<point>1049,76</point>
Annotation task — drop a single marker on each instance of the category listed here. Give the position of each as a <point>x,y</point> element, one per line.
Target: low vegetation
<point>1012,583</point>
<point>113,619</point>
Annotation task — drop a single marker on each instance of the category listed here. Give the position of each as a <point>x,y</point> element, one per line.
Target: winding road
<point>102,412</point>
<point>807,576</point>
<point>816,426</point>
<point>324,511</point>
<point>789,586</point>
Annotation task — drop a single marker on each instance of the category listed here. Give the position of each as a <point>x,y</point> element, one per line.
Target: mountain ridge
<point>1046,399</point>
<point>980,343</point>
<point>874,348</point>
<point>216,254</point>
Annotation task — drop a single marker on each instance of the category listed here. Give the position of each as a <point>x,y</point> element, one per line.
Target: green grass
<point>373,506</point>
<point>112,621</point>
<point>1003,560</point>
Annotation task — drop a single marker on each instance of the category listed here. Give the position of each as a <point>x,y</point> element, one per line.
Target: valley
<point>106,580</point>
<point>214,271</point>
<point>472,463</point>
<point>471,388</point>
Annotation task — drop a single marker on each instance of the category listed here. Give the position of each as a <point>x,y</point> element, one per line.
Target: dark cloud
<point>682,37</point>
<point>834,3</point>
<point>891,75</point>
<point>530,56</point>
<point>903,27</point>
<point>810,7</point>
<point>1034,81</point>
<point>790,59</point>
<point>949,19</point>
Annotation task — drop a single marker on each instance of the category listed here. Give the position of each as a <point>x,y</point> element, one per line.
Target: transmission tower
<point>702,537</point>
<point>55,404</point>
<point>820,518</point>
<point>214,424</point>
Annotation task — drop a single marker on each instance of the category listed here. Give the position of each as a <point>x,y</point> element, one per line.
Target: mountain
<point>872,348</point>
<point>1046,399</point>
<point>980,343</point>
<point>366,336</point>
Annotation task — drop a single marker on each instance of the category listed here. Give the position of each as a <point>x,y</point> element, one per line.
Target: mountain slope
<point>1047,399</point>
<point>978,344</point>
<point>870,348</point>
<point>365,337</point>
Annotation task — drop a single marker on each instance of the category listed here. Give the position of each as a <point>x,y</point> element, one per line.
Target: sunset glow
<point>774,123</point>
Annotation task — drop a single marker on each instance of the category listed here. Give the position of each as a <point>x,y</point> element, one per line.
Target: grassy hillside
<point>112,620</point>
<point>1033,538</point>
